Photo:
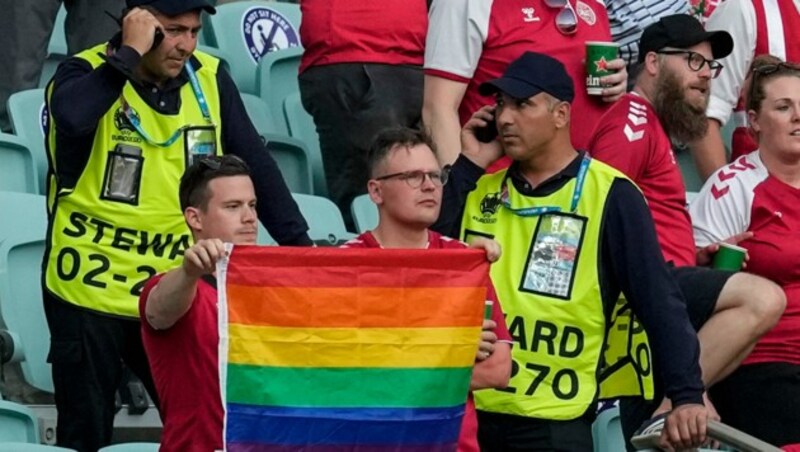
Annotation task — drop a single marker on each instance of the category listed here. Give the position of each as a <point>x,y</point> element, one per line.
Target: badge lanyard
<point>537,211</point>
<point>133,117</point>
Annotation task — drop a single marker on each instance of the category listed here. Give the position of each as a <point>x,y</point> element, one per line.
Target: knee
<point>764,300</point>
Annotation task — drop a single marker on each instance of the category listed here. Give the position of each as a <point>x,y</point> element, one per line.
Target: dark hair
<point>763,69</point>
<point>194,183</point>
<point>389,139</point>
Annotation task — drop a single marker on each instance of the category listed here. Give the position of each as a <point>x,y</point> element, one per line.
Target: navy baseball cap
<point>531,74</point>
<point>683,31</point>
<point>173,7</point>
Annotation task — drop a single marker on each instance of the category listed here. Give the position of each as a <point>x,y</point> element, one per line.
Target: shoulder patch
<point>637,117</point>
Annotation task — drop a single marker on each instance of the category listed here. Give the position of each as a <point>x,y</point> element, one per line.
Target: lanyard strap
<point>536,211</point>
<point>133,117</point>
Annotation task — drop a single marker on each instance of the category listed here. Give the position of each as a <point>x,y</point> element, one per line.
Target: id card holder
<point>123,175</point>
<point>553,256</point>
<point>199,142</point>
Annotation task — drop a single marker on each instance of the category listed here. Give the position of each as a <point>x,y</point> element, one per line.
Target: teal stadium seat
<point>301,125</point>
<point>325,224</point>
<point>17,165</point>
<point>26,110</point>
<point>29,447</point>
<point>56,48</point>
<point>246,31</point>
<point>365,213</point>
<point>22,243</point>
<point>291,156</point>
<point>131,447</point>
<point>276,78</point>
<point>18,423</point>
<point>260,115</point>
<point>607,431</point>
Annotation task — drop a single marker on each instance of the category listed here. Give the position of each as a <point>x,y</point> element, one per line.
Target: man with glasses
<point>406,184</point>
<point>576,234</point>
<point>127,118</point>
<point>470,42</point>
<point>729,310</point>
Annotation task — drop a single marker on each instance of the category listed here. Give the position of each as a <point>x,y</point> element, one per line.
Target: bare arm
<point>442,98</point>
<point>709,151</point>
<point>172,297</point>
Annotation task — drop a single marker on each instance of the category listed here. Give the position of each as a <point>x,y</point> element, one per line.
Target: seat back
<point>18,423</point>
<point>260,115</point>
<point>17,165</point>
<point>22,244</point>
<point>365,213</point>
<point>325,223</point>
<point>301,126</point>
<point>56,48</point>
<point>246,31</point>
<point>291,156</point>
<point>131,447</point>
<point>26,110</point>
<point>29,447</point>
<point>276,78</point>
<point>607,431</point>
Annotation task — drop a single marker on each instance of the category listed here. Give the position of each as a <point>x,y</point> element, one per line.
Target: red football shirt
<point>363,31</point>
<point>630,138</point>
<point>468,439</point>
<point>183,362</point>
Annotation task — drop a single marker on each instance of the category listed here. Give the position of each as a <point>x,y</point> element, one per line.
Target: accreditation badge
<point>199,142</point>
<point>553,256</point>
<point>123,174</point>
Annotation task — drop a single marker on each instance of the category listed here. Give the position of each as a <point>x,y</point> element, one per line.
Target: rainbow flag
<point>348,349</point>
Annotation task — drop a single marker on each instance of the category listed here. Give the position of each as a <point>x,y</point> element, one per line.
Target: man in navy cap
<point>577,234</point>
<point>127,118</point>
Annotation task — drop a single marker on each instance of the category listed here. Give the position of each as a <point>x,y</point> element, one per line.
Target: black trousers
<point>504,432</point>
<point>87,350</point>
<point>350,104</point>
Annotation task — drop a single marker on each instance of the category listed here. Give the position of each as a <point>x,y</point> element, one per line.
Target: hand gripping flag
<point>348,349</point>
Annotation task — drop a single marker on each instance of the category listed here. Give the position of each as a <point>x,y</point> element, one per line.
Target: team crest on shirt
<point>585,12</point>
<point>121,121</point>
<point>265,30</point>
<point>490,204</point>
<point>529,15</point>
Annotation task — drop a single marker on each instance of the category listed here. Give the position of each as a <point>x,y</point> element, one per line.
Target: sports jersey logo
<point>586,13</point>
<point>530,15</point>
<point>265,30</point>
<point>490,204</point>
<point>121,121</point>
<point>738,166</point>
<point>637,117</point>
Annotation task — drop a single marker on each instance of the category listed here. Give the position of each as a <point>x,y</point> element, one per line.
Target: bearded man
<point>730,311</point>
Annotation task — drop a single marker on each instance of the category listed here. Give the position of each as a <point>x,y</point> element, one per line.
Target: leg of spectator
<point>747,307</point>
<point>350,104</point>
<point>88,24</point>
<point>134,356</point>
<point>85,353</point>
<point>26,28</point>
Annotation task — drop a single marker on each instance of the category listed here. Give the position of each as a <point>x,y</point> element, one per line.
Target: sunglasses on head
<point>567,18</point>
<point>767,70</point>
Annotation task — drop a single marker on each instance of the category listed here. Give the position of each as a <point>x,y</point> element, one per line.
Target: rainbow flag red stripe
<point>345,349</point>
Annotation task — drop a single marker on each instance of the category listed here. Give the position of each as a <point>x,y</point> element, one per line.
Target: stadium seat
<point>607,431</point>
<point>22,243</point>
<point>26,111</point>
<point>276,78</point>
<point>17,165</point>
<point>29,447</point>
<point>56,48</point>
<point>245,31</point>
<point>18,423</point>
<point>301,125</point>
<point>131,447</point>
<point>365,213</point>
<point>292,158</point>
<point>325,224</point>
<point>259,114</point>
<point>689,172</point>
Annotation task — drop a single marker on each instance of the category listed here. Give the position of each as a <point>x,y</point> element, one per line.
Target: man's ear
<point>192,217</point>
<point>374,190</point>
<point>561,114</point>
<point>651,64</point>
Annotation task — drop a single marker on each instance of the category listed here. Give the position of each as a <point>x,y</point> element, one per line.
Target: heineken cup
<point>598,54</point>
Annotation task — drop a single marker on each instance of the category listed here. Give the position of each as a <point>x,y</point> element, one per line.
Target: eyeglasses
<point>415,179</point>
<point>766,70</point>
<point>696,61</point>
<point>567,19</point>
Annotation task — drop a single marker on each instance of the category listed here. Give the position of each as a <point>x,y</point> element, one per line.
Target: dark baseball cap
<point>531,74</point>
<point>683,31</point>
<point>173,7</point>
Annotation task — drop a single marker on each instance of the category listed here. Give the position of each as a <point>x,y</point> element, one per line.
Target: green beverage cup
<point>598,54</point>
<point>729,257</point>
<point>487,309</point>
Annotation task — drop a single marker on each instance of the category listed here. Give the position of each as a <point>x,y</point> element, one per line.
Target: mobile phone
<point>158,36</point>
<point>487,133</point>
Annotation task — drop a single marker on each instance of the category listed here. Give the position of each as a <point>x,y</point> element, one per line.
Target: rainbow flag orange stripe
<point>345,349</point>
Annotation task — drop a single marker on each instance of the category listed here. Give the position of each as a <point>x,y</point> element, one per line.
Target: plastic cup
<point>729,257</point>
<point>598,54</point>
<point>487,310</point>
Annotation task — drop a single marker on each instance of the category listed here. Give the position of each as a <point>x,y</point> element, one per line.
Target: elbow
<point>158,322</point>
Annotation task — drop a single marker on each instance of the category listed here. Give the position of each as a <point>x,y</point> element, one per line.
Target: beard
<point>683,121</point>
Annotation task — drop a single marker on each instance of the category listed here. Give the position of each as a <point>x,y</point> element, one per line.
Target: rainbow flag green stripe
<point>301,387</point>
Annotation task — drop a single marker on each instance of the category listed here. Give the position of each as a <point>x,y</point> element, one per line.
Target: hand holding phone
<point>488,133</point>
<point>141,30</point>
